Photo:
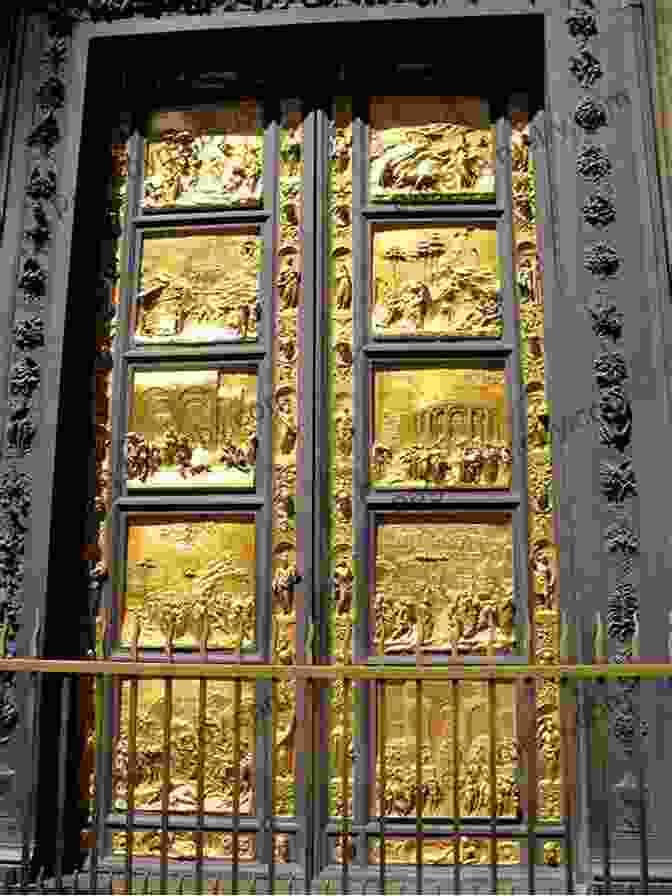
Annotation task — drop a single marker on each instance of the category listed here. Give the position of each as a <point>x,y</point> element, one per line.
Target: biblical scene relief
<point>184,576</point>
<point>445,786</point>
<point>441,428</point>
<point>444,586</point>
<point>205,157</point>
<point>199,287</point>
<point>431,148</point>
<point>192,428</point>
<point>436,281</point>
<point>188,740</point>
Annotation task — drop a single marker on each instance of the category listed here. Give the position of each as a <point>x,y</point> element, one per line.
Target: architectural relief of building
<point>311,371</point>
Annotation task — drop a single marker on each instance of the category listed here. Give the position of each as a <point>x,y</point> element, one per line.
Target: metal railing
<point>161,874</point>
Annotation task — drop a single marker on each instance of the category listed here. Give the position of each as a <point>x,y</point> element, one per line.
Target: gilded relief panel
<point>442,280</point>
<point>444,585</point>
<point>205,157</point>
<point>430,149</point>
<point>180,574</point>
<point>192,428</point>
<point>218,767</point>
<point>182,846</point>
<point>446,785</point>
<point>198,287</point>
<point>441,428</point>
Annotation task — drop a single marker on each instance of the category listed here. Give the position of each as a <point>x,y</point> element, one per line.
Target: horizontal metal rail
<point>484,671</point>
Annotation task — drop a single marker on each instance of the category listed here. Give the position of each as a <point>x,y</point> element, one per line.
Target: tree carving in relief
<point>436,282</point>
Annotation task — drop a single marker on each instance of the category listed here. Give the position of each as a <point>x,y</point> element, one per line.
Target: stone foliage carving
<point>599,211</point>
<point>46,134</point>
<point>590,115</point>
<point>40,233</point>
<point>33,280</point>
<point>615,418</point>
<point>618,481</point>
<point>582,24</point>
<point>622,537</point>
<point>42,184</point>
<point>15,505</point>
<point>602,260</point>
<point>610,369</point>
<point>592,163</point>
<point>617,477</point>
<point>606,319</point>
<point>24,378</point>
<point>586,68</point>
<point>29,333</point>
<point>25,372</point>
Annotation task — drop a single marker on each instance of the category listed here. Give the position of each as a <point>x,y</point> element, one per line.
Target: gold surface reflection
<point>205,157</point>
<point>472,851</point>
<point>430,148</point>
<point>191,429</point>
<point>444,584</point>
<point>177,572</point>
<point>219,770</point>
<point>446,784</point>
<point>441,428</point>
<point>439,280</point>
<point>182,845</point>
<point>199,287</point>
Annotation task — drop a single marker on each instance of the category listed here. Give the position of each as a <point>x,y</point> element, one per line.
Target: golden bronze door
<point>328,445</point>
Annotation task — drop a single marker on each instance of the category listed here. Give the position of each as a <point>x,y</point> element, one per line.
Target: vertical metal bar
<point>641,793</point>
<point>345,842</point>
<point>382,723</point>
<point>101,702</point>
<point>30,818</point>
<point>603,741</point>
<point>492,721</point>
<point>200,779</point>
<point>457,868</point>
<point>131,778</point>
<point>66,690</point>
<point>567,742</point>
<point>235,870</point>
<point>165,783</point>
<point>419,799</point>
<point>530,759</point>
<point>271,796</point>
